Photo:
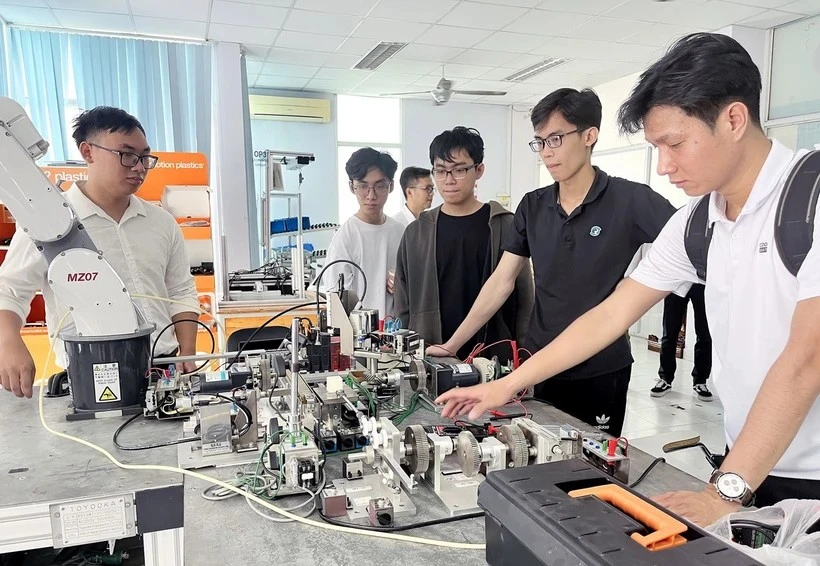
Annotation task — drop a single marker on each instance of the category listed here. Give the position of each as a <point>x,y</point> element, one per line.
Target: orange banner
<point>173,168</point>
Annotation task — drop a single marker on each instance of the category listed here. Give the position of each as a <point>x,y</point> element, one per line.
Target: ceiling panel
<point>241,34</point>
<point>95,21</point>
<point>343,74</point>
<point>28,16</point>
<point>589,7</point>
<point>588,49</point>
<point>341,61</point>
<point>292,57</point>
<point>308,41</point>
<point>452,36</point>
<point>429,53</point>
<point>252,15</point>
<point>410,66</point>
<point>513,42</point>
<point>29,4</point>
<point>650,11</point>
<point>770,19</point>
<point>352,7</point>
<point>465,71</point>
<point>523,61</point>
<point>105,6</point>
<point>389,30</point>
<point>608,29</point>
<point>254,67</point>
<point>521,3</point>
<point>197,10</point>
<point>424,11</point>
<point>255,52</point>
<point>315,22</point>
<point>483,57</point>
<point>285,70</point>
<point>482,16</point>
<point>548,22</point>
<point>805,7</point>
<point>170,28</point>
<point>357,46</point>
<point>660,35</point>
<point>327,85</point>
<point>716,13</point>
<point>265,81</point>
<point>281,3</point>
<point>761,3</point>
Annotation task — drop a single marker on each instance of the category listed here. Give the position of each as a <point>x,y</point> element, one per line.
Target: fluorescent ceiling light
<point>545,65</point>
<point>378,55</point>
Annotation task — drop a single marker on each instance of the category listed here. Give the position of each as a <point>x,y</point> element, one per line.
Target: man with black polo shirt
<point>581,233</point>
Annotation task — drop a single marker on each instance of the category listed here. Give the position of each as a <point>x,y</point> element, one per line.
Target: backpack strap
<point>698,235</point>
<point>794,222</point>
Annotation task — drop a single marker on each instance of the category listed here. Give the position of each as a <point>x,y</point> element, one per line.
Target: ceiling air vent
<point>545,65</point>
<point>378,55</point>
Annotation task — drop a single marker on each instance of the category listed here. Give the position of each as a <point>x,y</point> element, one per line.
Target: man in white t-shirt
<point>418,189</point>
<point>368,238</point>
<point>700,106</point>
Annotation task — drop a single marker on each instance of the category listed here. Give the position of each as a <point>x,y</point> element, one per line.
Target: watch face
<point>731,485</point>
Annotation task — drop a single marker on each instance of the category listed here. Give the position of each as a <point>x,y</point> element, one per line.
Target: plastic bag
<point>791,546</point>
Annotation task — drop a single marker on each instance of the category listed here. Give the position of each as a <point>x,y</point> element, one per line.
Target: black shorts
<point>599,401</point>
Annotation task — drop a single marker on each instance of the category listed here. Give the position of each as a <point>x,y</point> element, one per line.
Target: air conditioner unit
<point>290,109</point>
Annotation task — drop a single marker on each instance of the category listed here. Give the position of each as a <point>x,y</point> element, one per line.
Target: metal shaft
<point>295,423</point>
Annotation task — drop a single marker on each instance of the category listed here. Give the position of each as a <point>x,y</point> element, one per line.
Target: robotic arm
<point>77,272</point>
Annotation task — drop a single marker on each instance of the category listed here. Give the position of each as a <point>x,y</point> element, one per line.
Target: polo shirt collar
<point>599,184</point>
<point>768,180</point>
<point>85,208</point>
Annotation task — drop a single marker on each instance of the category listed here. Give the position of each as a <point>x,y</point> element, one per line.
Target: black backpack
<point>794,222</point>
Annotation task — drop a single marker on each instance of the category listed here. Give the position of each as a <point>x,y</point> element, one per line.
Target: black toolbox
<point>540,515</point>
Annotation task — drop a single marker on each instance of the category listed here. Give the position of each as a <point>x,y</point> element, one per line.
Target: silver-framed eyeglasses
<point>363,189</point>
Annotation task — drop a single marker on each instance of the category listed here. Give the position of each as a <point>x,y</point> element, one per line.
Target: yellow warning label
<point>108,395</point>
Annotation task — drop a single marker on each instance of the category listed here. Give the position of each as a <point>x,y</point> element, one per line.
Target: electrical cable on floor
<point>398,528</point>
<point>648,469</point>
<point>229,487</point>
<point>147,446</point>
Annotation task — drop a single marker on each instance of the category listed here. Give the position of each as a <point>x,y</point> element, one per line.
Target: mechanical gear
<point>469,453</point>
<point>419,371</point>
<point>417,457</point>
<point>518,451</point>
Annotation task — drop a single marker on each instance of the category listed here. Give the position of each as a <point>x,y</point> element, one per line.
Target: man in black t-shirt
<point>448,253</point>
<point>581,233</point>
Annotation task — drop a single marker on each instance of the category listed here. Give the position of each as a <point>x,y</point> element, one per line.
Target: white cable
<point>294,508</point>
<point>237,490</point>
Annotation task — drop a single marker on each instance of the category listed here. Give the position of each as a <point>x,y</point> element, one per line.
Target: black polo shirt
<point>579,259</point>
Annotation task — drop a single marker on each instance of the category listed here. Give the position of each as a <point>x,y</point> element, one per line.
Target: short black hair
<point>367,158</point>
<point>448,142</point>
<point>582,108</point>
<point>411,174</point>
<point>104,119</point>
<point>702,73</point>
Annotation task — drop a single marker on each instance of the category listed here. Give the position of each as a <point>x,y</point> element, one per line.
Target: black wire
<point>648,469</point>
<point>242,407</point>
<point>244,346</point>
<point>398,528</point>
<point>753,524</point>
<point>147,446</point>
<point>174,323</point>
<point>321,273</point>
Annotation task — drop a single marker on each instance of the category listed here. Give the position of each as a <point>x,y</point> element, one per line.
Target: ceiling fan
<point>444,91</point>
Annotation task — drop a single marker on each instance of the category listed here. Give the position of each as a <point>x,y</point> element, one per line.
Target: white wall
<point>524,163</point>
<point>422,121</point>
<point>319,188</point>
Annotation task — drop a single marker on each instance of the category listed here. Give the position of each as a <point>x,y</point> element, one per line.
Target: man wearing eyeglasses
<point>368,238</point>
<point>449,252</point>
<point>142,242</point>
<point>581,233</point>
<point>417,186</point>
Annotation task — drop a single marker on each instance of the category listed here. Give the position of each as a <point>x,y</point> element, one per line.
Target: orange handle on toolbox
<point>667,529</point>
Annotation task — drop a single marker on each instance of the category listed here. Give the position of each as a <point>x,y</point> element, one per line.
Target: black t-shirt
<point>462,253</point>
<point>579,259</point>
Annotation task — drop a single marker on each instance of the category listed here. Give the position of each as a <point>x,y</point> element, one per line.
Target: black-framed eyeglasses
<point>457,172</point>
<point>130,159</point>
<point>554,141</point>
<point>363,189</point>
<point>430,189</point>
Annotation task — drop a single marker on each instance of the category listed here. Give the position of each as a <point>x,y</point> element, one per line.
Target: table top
<point>39,467</point>
<point>226,532</point>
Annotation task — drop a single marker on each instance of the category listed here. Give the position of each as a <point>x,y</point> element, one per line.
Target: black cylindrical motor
<point>108,373</point>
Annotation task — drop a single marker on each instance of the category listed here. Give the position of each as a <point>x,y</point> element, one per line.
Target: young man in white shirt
<point>418,189</point>
<point>368,238</point>
<point>700,106</point>
<point>142,242</point>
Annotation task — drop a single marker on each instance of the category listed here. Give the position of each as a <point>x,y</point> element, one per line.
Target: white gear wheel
<point>418,460</point>
<point>469,453</point>
<point>419,382</point>
<point>518,451</point>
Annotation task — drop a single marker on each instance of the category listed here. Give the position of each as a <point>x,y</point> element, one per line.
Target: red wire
<point>520,404</point>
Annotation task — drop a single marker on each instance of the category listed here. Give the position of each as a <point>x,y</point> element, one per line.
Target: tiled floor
<point>652,422</point>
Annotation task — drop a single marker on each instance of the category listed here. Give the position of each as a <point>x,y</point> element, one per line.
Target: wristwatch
<point>732,487</point>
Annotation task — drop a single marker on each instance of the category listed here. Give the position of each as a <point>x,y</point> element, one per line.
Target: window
<point>797,136</point>
<point>367,122</point>
<point>795,69</point>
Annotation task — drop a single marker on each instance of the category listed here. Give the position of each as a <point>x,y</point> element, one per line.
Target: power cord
<point>648,469</point>
<point>318,280</point>
<point>147,446</point>
<point>174,323</point>
<point>399,528</point>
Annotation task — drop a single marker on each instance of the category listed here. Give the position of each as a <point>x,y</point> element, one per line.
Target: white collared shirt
<point>146,249</point>
<point>750,299</point>
<point>405,216</point>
